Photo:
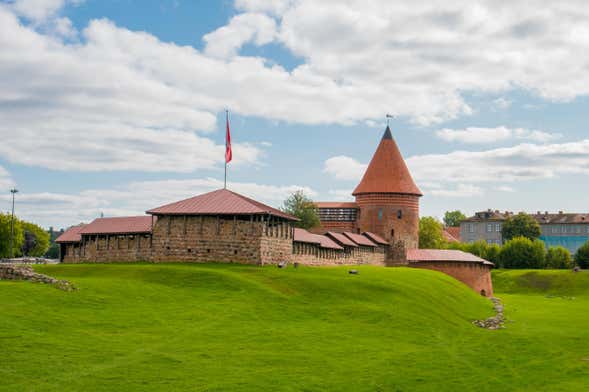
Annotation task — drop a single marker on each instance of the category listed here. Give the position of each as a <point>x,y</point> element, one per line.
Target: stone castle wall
<point>246,240</point>
<point>477,276</point>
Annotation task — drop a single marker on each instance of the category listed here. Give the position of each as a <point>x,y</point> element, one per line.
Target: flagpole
<point>226,122</point>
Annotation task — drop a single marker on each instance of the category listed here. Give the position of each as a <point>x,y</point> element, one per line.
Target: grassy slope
<point>229,327</point>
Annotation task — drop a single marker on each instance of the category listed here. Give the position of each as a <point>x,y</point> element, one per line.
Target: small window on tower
<point>380,214</point>
<point>399,214</point>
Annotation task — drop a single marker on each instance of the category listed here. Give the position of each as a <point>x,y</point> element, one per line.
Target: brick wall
<point>476,276</point>
<point>335,226</point>
<point>392,216</point>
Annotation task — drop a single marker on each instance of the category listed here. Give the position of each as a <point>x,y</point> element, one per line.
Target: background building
<point>570,230</point>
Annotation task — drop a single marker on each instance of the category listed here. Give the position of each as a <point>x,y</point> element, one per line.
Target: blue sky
<point>115,107</point>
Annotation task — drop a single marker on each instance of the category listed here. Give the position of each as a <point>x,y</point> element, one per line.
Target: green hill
<point>551,282</point>
<point>230,327</point>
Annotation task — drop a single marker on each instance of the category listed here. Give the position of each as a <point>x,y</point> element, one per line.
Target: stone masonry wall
<point>192,239</point>
<point>476,276</point>
<point>205,239</point>
<point>111,248</point>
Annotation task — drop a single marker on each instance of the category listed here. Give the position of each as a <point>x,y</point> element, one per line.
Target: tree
<point>582,256</point>
<point>521,252</point>
<point>431,233</point>
<point>453,218</point>
<point>558,257</point>
<point>5,236</point>
<point>492,254</point>
<point>36,240</point>
<point>52,252</point>
<point>521,225</point>
<point>302,207</point>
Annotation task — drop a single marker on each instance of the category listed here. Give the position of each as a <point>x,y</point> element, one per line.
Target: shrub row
<point>523,253</point>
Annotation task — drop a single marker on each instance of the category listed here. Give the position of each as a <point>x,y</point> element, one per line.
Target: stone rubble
<point>495,322</point>
<point>26,272</point>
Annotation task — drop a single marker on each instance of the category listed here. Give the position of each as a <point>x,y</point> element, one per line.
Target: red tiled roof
<point>387,172</point>
<point>336,204</point>
<point>452,234</point>
<point>302,235</point>
<point>341,239</point>
<point>71,235</point>
<point>561,218</point>
<point>219,202</point>
<point>417,255</point>
<point>359,239</point>
<point>119,225</point>
<point>375,238</point>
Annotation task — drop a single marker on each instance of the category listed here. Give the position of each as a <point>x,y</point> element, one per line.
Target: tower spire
<point>387,171</point>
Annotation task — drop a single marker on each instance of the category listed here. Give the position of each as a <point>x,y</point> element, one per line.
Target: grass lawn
<point>148,327</point>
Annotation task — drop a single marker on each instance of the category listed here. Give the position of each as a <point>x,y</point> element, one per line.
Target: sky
<point>117,106</point>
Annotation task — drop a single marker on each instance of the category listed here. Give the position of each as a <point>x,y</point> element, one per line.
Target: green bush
<point>478,248</point>
<point>492,254</point>
<point>558,258</point>
<point>521,225</point>
<point>523,253</point>
<point>458,246</point>
<point>431,233</point>
<point>582,256</point>
<point>5,236</point>
<point>38,240</point>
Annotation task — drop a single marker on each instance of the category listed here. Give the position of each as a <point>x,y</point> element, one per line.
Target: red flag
<point>228,151</point>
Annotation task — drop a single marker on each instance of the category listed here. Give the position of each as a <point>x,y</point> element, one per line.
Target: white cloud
<point>6,181</point>
<point>524,162</point>
<point>270,6</point>
<point>40,10</point>
<point>341,194</point>
<point>62,210</point>
<point>115,100</point>
<point>227,40</point>
<point>505,188</point>
<point>426,53</point>
<point>501,103</point>
<point>461,190</point>
<point>476,135</point>
<point>518,163</point>
<point>344,168</point>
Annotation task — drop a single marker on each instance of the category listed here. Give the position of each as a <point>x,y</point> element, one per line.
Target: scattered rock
<point>353,272</point>
<point>26,272</point>
<point>496,322</point>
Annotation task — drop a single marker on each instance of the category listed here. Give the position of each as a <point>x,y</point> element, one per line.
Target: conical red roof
<point>387,172</point>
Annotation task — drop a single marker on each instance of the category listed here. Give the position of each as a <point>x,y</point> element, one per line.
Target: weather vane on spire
<point>389,117</point>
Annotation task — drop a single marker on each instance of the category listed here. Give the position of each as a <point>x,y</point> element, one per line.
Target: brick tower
<point>388,199</point>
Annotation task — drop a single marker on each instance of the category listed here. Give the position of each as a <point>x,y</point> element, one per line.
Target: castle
<point>381,227</point>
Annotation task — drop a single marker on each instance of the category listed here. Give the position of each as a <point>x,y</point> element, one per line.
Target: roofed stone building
<point>380,227</point>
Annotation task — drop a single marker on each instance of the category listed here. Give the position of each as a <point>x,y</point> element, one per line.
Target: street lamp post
<point>13,191</point>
